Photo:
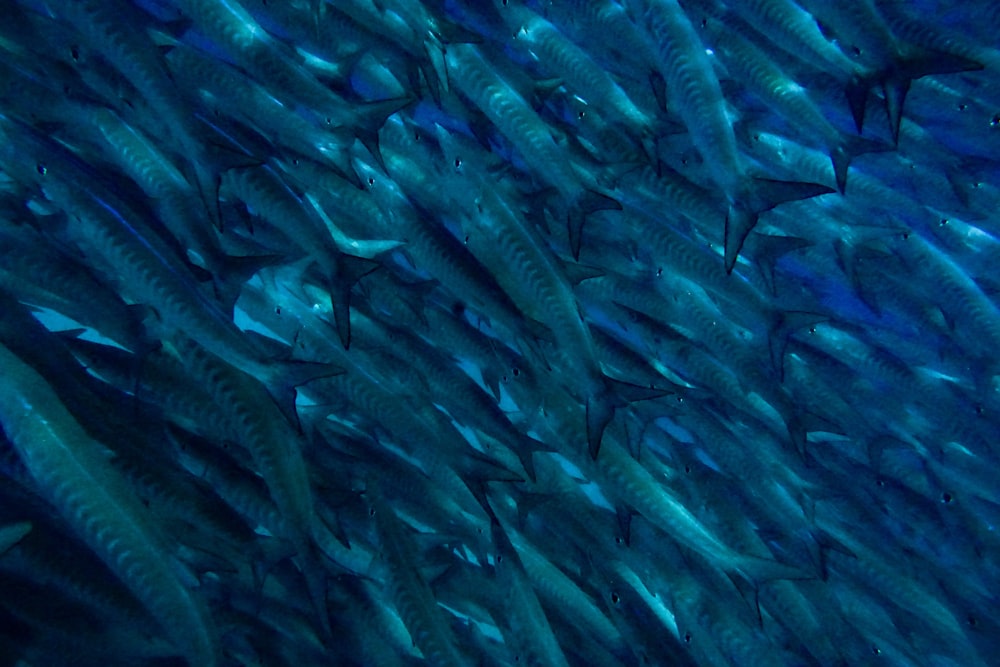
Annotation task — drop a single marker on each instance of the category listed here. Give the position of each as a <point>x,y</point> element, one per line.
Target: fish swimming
<point>588,332</point>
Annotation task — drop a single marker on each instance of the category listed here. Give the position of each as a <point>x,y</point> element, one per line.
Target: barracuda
<point>72,471</point>
<point>526,217</point>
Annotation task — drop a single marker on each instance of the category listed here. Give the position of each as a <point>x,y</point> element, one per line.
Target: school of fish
<point>536,332</point>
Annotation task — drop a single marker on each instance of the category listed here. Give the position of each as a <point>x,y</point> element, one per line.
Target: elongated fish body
<point>413,597</point>
<point>561,57</point>
<point>106,29</point>
<point>786,97</point>
<point>152,269</point>
<point>790,27</point>
<point>697,97</point>
<point>69,467</point>
<point>518,122</point>
<point>695,92</point>
<point>436,250</point>
<point>530,634</point>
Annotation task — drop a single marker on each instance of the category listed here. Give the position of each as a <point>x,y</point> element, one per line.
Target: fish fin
<point>290,374</point>
<point>350,269</point>
<point>592,201</point>
<point>527,503</point>
<point>624,515</point>
<point>856,92</point>
<point>848,149</point>
<point>757,570</point>
<point>762,195</point>
<point>599,413</point>
<point>827,542</point>
<point>480,468</point>
<point>916,63</point>
<point>894,89</point>
<point>12,533</point>
<point>749,590</point>
<point>627,392</point>
<point>600,409</point>
<point>767,249</point>
<point>527,459</point>
<point>739,222</point>
<point>784,323</point>
<point>373,115</point>
<point>659,86</point>
<point>539,331</point>
<point>70,334</point>
<point>437,75</point>
<point>235,271</point>
<point>577,273</point>
<point>801,424</point>
<point>768,193</point>
<point>331,522</point>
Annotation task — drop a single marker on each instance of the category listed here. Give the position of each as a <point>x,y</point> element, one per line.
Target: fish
<point>380,332</point>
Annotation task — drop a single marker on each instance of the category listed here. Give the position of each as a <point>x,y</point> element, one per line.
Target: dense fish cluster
<point>592,332</point>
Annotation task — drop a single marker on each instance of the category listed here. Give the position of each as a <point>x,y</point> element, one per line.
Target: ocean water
<point>653,332</point>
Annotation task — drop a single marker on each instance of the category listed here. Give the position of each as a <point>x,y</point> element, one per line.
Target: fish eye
<point>687,637</point>
<point>943,222</point>
<point>972,621</point>
<point>659,271</point>
<point>946,498</point>
<point>516,371</point>
<point>74,52</point>
<point>277,310</point>
<point>963,106</point>
<point>371,511</point>
<point>995,121</point>
<point>905,236</point>
<point>41,169</point>
<point>458,162</point>
<point>979,409</point>
<point>581,115</point>
<point>615,598</point>
<point>371,181</point>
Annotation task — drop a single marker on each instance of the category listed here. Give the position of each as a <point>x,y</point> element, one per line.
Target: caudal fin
<point>917,62</point>
<point>601,408</point>
<point>586,204</point>
<point>842,155</point>
<point>762,194</point>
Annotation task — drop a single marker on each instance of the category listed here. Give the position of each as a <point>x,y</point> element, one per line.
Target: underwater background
<point>386,332</point>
